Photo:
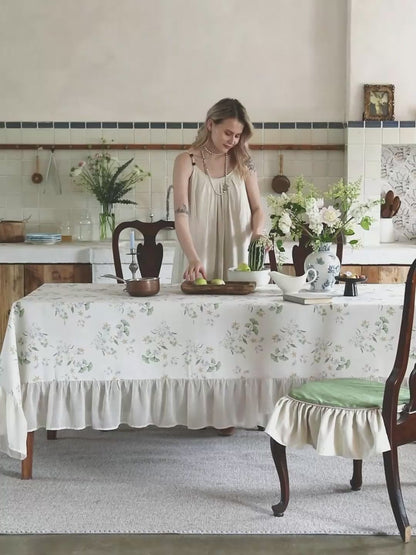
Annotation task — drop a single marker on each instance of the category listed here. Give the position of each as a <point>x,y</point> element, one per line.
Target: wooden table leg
<point>28,461</point>
<point>226,431</point>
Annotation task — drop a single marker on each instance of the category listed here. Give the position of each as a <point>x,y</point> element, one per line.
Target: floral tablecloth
<point>78,355</point>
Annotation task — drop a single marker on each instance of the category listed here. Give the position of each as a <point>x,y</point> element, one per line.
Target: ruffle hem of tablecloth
<point>165,402</point>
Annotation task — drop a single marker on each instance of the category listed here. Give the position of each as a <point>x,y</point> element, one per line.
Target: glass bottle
<point>66,231</point>
<point>85,227</point>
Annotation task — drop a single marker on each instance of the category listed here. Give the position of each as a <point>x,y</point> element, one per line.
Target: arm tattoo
<point>250,165</point>
<point>182,210</point>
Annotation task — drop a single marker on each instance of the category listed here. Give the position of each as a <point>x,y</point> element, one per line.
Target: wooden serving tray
<point>230,288</point>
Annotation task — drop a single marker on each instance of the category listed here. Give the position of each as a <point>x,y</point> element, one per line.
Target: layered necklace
<point>225,186</point>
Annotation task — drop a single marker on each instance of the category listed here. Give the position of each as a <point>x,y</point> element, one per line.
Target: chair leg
<point>357,475</point>
<point>391,470</point>
<point>27,463</point>
<point>279,458</point>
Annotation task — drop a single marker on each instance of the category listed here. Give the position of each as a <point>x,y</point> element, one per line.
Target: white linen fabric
<point>78,355</point>
<point>332,431</point>
<point>219,225</point>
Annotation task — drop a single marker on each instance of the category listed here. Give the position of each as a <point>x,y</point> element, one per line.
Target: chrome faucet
<point>168,192</point>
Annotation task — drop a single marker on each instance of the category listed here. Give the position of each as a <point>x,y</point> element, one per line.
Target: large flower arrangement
<point>320,217</point>
<point>109,181</point>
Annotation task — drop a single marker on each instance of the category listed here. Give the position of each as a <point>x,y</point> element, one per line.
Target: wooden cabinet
<point>380,274</point>
<point>36,274</point>
<point>17,280</point>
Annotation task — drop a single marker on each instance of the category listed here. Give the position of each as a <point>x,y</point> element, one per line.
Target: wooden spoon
<point>37,176</point>
<point>389,198</point>
<point>385,211</point>
<point>395,206</point>
<point>386,207</point>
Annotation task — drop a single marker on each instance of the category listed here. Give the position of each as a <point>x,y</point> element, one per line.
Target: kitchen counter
<point>97,253</point>
<point>74,252</point>
<point>100,252</point>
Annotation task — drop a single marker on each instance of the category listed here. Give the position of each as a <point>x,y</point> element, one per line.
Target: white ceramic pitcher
<point>293,284</point>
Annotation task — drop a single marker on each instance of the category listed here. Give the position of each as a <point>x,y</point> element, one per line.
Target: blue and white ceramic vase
<point>327,266</point>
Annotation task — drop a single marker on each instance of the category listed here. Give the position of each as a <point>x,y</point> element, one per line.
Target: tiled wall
<point>364,146</point>
<point>398,170</point>
<point>47,208</point>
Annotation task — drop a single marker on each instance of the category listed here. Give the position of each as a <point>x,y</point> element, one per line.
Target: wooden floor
<point>202,545</point>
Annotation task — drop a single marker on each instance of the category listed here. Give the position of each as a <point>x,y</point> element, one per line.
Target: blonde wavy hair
<point>225,109</point>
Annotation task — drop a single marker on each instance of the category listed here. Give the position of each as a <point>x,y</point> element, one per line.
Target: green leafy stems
<point>105,177</point>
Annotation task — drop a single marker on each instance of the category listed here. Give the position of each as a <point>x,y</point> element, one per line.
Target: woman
<point>216,196</point>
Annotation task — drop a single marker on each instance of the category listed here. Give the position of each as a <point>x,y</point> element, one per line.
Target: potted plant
<point>257,252</point>
<point>109,181</point>
<point>321,218</point>
<point>254,270</point>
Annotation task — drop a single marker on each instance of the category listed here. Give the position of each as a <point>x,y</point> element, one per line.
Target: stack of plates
<point>43,238</point>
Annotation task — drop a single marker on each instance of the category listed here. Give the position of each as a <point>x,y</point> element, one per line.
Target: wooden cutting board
<point>230,288</point>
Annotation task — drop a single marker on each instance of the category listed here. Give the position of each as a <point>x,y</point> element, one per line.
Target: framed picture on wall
<point>378,102</point>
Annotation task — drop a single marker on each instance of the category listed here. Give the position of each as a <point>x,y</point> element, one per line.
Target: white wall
<point>382,44</point>
<point>169,60</point>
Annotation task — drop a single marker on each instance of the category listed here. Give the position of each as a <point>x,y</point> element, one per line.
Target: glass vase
<point>327,265</point>
<point>107,222</point>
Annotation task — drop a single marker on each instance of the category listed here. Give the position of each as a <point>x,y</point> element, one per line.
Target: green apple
<point>200,281</point>
<point>243,267</point>
<point>217,281</point>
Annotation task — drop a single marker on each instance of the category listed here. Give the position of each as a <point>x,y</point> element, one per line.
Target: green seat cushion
<point>345,392</point>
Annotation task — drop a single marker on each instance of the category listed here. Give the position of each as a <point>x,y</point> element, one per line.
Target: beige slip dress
<point>220,224</point>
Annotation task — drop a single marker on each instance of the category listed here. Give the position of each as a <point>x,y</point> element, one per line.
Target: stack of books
<point>305,297</point>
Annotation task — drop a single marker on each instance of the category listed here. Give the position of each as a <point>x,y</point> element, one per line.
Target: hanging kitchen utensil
<point>37,177</point>
<point>52,161</point>
<point>280,183</point>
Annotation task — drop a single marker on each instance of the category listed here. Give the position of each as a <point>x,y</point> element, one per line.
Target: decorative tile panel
<point>398,171</point>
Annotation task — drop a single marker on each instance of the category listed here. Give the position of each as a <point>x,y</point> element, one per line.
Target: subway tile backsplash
<point>47,209</point>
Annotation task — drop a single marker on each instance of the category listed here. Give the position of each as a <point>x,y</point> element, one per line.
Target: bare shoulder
<point>183,163</point>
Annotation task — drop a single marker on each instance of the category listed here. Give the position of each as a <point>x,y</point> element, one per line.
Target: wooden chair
<point>381,418</point>
<point>300,252</point>
<point>149,253</point>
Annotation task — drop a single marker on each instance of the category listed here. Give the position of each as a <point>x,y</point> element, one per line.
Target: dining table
<point>90,355</point>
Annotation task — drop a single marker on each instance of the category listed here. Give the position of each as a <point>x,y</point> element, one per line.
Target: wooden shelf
<point>100,146</point>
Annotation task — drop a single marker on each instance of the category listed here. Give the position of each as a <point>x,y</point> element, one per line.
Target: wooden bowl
<point>12,231</point>
<point>143,287</point>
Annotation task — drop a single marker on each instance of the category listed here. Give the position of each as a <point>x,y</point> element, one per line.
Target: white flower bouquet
<point>319,217</point>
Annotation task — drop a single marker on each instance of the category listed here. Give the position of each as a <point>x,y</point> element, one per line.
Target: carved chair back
<point>300,252</point>
<point>149,253</point>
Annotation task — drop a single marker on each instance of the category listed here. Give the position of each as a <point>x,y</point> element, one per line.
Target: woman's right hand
<point>195,269</point>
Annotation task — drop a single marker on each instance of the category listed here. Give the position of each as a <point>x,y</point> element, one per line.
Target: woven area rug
<point>190,482</point>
